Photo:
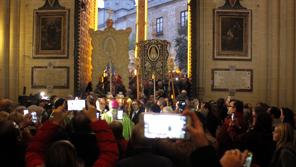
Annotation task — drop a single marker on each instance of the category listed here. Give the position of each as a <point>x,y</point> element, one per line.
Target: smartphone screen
<point>248,161</point>
<point>182,105</point>
<point>26,112</point>
<point>34,117</point>
<point>75,105</point>
<point>98,115</point>
<point>119,114</point>
<point>165,126</point>
<point>232,117</point>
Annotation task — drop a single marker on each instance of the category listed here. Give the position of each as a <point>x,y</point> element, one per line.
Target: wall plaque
<point>56,77</point>
<point>238,80</point>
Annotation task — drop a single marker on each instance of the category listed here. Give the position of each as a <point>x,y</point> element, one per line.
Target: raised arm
<point>105,140</point>
<point>38,145</point>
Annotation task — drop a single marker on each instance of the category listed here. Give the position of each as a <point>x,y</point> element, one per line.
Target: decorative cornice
<point>232,4</point>
<point>51,5</point>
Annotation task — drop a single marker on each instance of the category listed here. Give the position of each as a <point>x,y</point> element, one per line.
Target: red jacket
<point>105,142</point>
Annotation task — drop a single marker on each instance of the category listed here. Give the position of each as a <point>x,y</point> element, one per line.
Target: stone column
<point>272,39</point>
<point>294,71</point>
<point>14,49</point>
<point>4,48</point>
<point>201,29</point>
<point>141,34</point>
<point>281,53</point>
<point>141,20</point>
<point>289,43</point>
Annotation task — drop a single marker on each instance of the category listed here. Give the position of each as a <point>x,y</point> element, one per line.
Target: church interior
<point>261,70</point>
<point>150,83</point>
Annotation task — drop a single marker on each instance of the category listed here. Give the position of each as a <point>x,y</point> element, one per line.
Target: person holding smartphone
<point>113,114</point>
<point>205,154</point>
<point>233,126</point>
<point>36,156</point>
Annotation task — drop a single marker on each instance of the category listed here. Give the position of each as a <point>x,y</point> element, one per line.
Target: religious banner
<point>153,58</point>
<point>110,49</point>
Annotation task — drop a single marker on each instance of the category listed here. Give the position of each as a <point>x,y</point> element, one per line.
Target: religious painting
<point>232,34</point>
<point>51,34</point>
<point>153,53</point>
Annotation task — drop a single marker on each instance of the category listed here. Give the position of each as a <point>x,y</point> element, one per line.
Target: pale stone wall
<point>26,49</point>
<point>170,12</point>
<point>4,45</point>
<point>168,9</point>
<point>273,52</point>
<point>273,49</point>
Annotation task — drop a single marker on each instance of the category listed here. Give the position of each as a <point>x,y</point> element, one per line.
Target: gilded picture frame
<point>51,34</point>
<point>232,34</point>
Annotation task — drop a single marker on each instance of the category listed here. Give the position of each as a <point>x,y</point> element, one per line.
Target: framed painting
<point>50,34</point>
<point>232,34</point>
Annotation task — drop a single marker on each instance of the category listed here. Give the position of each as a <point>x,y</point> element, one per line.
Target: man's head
<point>274,112</point>
<point>236,106</point>
<point>101,103</point>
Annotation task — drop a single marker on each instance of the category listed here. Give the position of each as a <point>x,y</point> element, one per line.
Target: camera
<point>98,115</point>
<point>248,161</point>
<point>164,125</point>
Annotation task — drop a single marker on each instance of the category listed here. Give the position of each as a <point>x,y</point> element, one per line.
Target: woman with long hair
<point>285,153</point>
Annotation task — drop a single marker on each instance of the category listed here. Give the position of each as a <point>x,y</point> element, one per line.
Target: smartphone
<point>75,105</point>
<point>181,105</point>
<point>232,117</point>
<point>26,112</point>
<point>119,114</point>
<point>34,117</point>
<point>98,115</point>
<point>248,161</point>
<point>165,125</point>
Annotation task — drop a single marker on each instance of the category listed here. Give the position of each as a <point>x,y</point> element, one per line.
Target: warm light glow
<point>137,30</point>
<point>135,72</point>
<point>189,47</point>
<point>153,76</point>
<point>42,94</point>
<point>146,20</point>
<point>1,37</point>
<point>99,3</point>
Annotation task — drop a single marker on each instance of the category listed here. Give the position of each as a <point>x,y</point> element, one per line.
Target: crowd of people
<point>225,133</point>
